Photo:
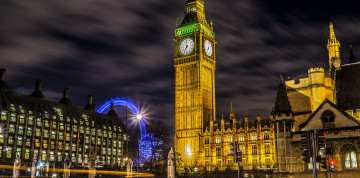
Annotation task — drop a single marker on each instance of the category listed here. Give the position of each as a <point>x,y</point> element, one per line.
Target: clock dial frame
<point>208,48</point>
<point>187,46</point>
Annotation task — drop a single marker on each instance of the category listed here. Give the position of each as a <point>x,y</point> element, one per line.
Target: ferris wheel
<point>145,150</point>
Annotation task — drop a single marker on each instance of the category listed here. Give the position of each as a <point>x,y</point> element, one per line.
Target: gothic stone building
<point>321,101</point>
<point>32,126</point>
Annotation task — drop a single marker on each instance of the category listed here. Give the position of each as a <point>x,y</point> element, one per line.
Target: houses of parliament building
<point>326,101</point>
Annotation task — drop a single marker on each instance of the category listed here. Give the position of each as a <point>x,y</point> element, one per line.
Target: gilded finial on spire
<point>231,110</point>
<point>332,33</point>
<point>222,116</point>
<point>246,113</point>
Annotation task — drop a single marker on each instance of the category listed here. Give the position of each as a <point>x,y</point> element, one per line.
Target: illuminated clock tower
<point>194,84</point>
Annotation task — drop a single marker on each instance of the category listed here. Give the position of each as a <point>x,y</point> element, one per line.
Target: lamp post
<point>138,118</point>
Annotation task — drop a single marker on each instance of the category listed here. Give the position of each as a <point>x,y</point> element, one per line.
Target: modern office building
<point>32,126</point>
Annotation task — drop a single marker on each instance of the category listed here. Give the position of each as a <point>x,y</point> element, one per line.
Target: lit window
<point>8,153</point>
<point>61,136</point>
<point>30,120</point>
<point>3,115</point>
<point>28,143</point>
<point>13,117</point>
<point>29,131</point>
<point>253,137</point>
<point>21,130</point>
<point>38,133</point>
<point>19,141</point>
<point>218,151</point>
<point>350,159</point>
<point>27,153</point>
<point>10,140</point>
<point>46,133</point>
<point>241,138</point>
<point>11,128</point>
<point>37,143</point>
<point>22,120</point>
<point>218,140</point>
<point>207,152</point>
<point>53,134</point>
<point>229,139</point>
<point>310,164</point>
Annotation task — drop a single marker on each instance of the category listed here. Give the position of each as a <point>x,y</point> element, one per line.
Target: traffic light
<point>328,150</point>
<point>323,163</point>
<point>305,146</point>
<point>321,139</point>
<point>238,156</point>
<point>332,164</point>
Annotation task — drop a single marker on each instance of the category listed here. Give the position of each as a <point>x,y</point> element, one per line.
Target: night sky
<point>124,48</point>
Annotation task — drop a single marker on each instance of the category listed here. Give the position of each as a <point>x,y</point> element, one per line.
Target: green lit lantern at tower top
<point>194,20</point>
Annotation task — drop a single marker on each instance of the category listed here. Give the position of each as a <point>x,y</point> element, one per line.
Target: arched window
<point>349,156</point>
<point>350,159</point>
<point>328,119</point>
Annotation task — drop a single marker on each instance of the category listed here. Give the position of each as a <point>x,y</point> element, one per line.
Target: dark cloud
<point>125,48</point>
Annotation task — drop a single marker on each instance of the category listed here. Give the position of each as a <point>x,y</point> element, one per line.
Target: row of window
<point>254,150</point>
<point>241,138</point>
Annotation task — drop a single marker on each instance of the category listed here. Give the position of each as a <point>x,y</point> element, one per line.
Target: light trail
<point>80,171</point>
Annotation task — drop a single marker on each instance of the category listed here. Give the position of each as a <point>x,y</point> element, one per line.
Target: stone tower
<point>284,124</point>
<point>194,62</point>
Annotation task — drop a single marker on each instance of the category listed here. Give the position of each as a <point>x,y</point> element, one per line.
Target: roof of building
<point>347,86</point>
<point>40,107</point>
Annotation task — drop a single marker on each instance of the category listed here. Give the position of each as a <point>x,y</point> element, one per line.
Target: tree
<point>159,140</point>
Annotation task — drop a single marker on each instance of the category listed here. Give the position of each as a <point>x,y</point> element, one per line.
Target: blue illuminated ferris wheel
<point>146,139</point>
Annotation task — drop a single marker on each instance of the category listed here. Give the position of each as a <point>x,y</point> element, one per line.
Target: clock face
<point>187,46</point>
<point>208,48</point>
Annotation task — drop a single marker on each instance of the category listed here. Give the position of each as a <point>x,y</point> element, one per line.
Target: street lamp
<point>138,118</point>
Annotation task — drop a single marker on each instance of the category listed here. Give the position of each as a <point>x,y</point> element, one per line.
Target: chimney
<point>90,106</point>
<point>65,99</point>
<point>38,85</point>
<point>90,99</point>
<point>2,73</point>
<point>66,93</point>
<point>37,93</point>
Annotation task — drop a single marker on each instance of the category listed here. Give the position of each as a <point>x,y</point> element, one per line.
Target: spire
<point>333,48</point>
<point>258,117</point>
<point>232,114</point>
<point>246,116</point>
<point>332,32</point>
<point>38,93</point>
<point>282,103</point>
<point>352,58</point>
<point>65,99</point>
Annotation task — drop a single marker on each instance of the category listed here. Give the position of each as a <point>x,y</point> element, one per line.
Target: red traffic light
<point>332,162</point>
